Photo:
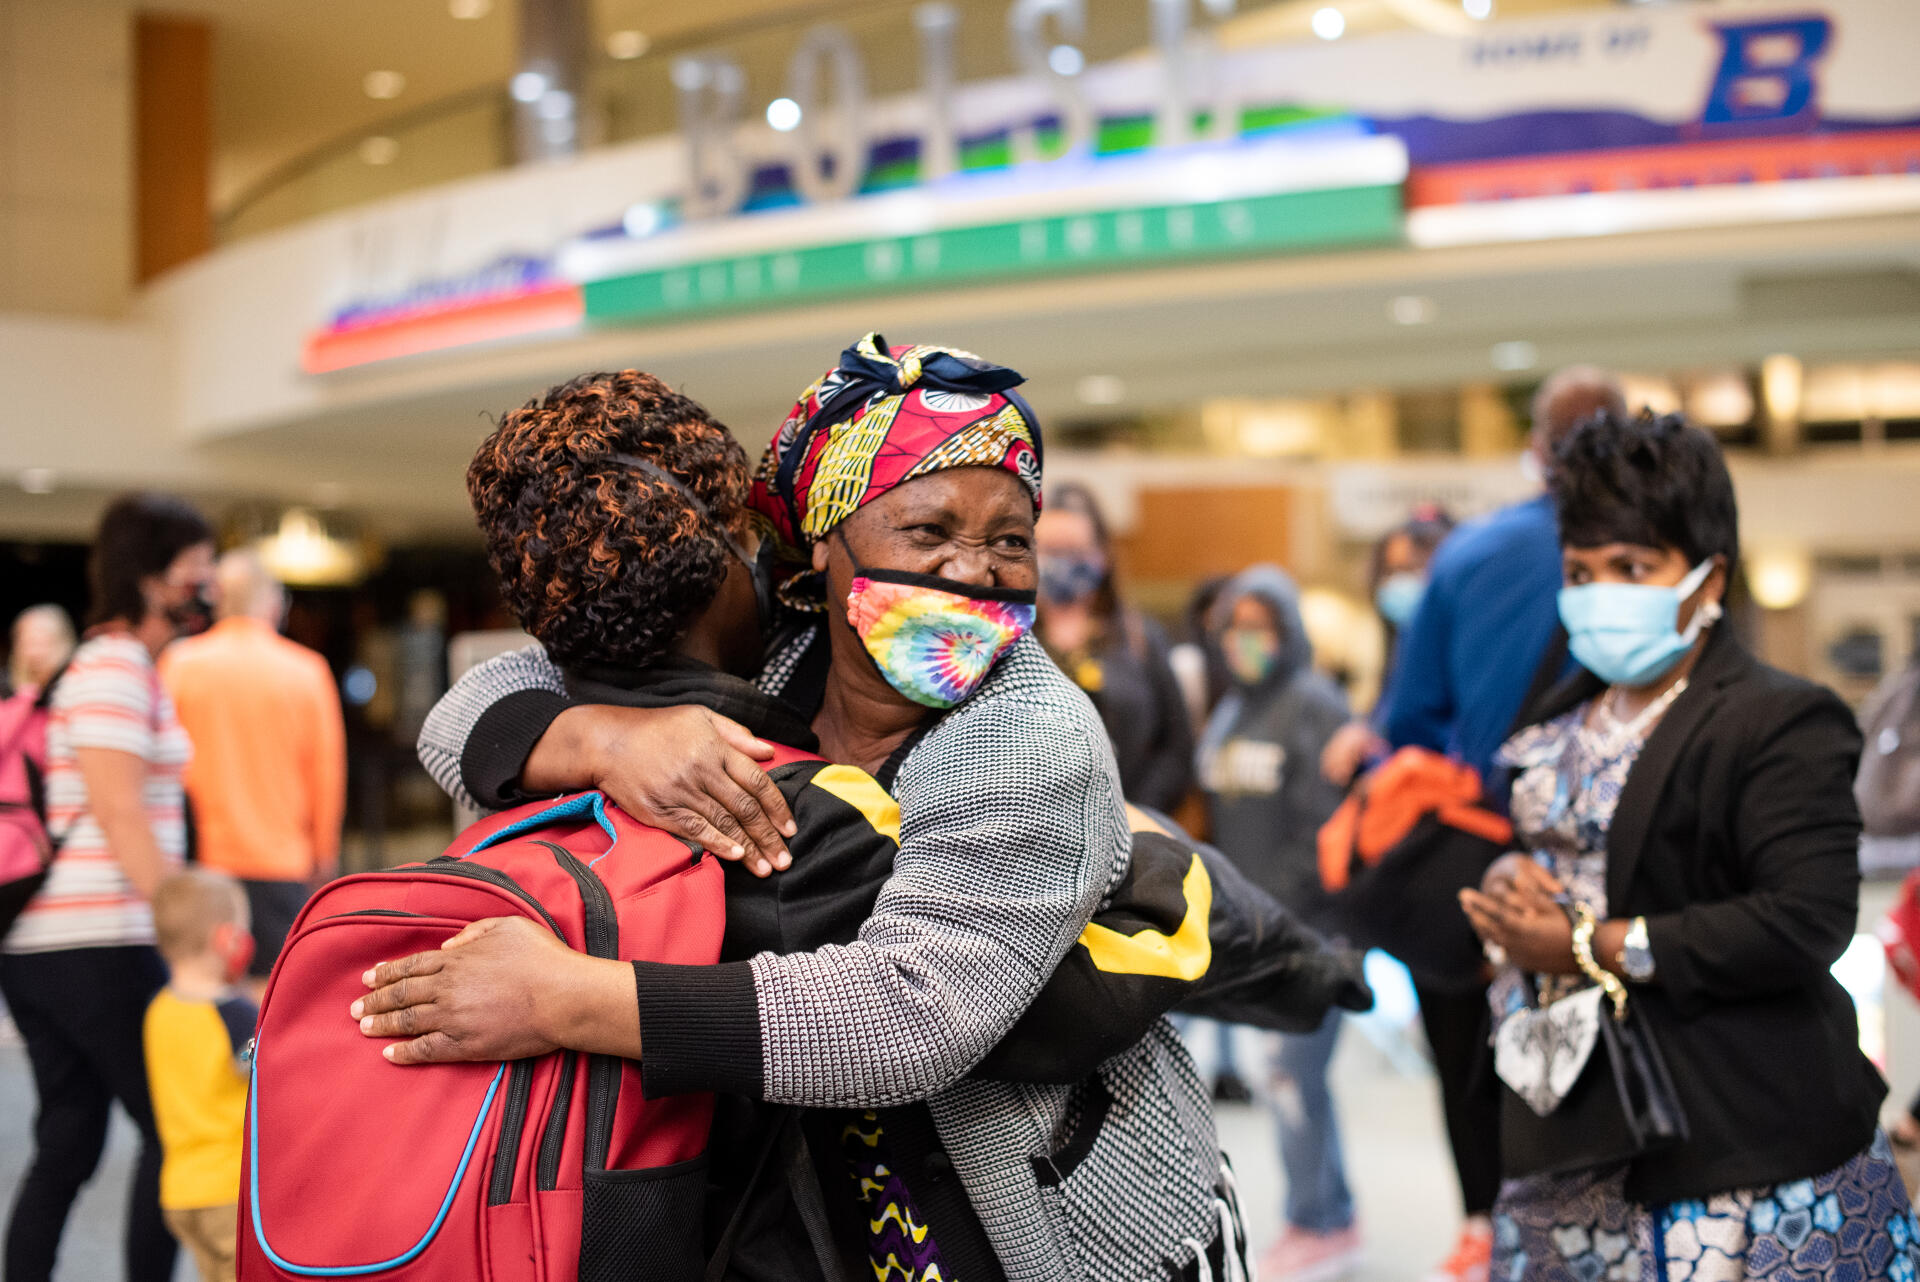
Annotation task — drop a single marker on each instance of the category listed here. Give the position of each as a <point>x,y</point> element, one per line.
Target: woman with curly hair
<point>901,495</point>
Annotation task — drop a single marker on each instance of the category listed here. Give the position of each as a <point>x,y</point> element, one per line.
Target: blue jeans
<point>1218,1048</point>
<point>1317,1195</point>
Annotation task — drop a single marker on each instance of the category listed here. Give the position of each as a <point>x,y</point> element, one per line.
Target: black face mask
<point>766,605</point>
<point>193,615</point>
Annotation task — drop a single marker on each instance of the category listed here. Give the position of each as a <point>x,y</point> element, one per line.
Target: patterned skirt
<point>1853,1224</point>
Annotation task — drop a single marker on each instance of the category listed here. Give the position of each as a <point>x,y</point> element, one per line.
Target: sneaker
<point>1472,1255</point>
<point>1304,1256</point>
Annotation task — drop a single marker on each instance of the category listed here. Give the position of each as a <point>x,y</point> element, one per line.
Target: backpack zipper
<point>603,1071</point>
<point>372,912</point>
<point>555,1139</point>
<point>513,1118</point>
<point>448,866</point>
<point>513,1121</point>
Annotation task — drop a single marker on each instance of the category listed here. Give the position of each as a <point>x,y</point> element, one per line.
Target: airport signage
<point>1423,136</point>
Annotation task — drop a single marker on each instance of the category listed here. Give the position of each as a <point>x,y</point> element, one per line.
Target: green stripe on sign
<point>1106,240</point>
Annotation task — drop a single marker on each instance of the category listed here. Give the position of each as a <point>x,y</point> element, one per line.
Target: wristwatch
<point>1636,953</point>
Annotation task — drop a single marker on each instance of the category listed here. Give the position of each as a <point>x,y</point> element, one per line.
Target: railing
<point>472,132</point>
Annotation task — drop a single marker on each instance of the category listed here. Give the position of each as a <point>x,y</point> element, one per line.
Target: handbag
<point>1583,1083</point>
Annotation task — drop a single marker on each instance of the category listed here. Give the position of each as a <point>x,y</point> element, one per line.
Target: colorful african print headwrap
<point>883,416</point>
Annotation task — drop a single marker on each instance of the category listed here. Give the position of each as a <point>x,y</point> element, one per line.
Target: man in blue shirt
<point>1464,665</point>
<point>1490,607</point>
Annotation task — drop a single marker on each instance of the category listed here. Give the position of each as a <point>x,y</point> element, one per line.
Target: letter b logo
<point>1767,71</point>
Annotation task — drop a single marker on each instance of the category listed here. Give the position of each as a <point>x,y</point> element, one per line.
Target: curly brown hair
<point>599,561</point>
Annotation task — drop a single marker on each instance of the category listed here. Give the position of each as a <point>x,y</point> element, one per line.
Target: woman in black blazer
<point>1691,810</point>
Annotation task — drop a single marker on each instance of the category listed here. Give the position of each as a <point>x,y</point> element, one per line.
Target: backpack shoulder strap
<point>808,1201</point>
<point>723,1251</point>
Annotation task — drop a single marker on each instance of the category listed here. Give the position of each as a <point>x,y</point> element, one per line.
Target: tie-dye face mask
<point>934,639</point>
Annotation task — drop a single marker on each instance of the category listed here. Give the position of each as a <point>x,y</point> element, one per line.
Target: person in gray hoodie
<point>1259,767</point>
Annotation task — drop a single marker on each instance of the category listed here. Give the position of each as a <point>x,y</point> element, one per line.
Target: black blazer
<point>1737,838</point>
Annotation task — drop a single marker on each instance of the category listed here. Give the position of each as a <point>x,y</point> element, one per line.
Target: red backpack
<point>539,1169</point>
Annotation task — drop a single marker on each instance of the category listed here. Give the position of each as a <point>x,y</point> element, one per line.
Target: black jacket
<point>1133,688</point>
<point>1736,837</point>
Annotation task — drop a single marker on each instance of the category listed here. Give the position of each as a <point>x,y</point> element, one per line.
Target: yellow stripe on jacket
<point>1183,955</point>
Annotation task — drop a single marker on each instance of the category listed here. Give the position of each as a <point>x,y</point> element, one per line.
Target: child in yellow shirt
<point>198,1033</point>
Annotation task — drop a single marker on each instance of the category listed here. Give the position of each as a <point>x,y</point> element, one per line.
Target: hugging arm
<point>985,894</point>
<point>1185,931</point>
<point>508,732</point>
<point>988,891</point>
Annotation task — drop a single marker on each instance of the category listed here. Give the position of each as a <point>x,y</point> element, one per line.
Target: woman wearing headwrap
<point>908,480</point>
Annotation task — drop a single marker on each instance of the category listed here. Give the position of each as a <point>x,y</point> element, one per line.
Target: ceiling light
<point>1066,60</point>
<point>468,10</point>
<point>528,86</point>
<point>1782,381</point>
<point>1478,10</point>
<point>1779,576</point>
<point>384,84</point>
<point>642,220</point>
<point>1329,23</point>
<point>1411,309</point>
<point>36,480</point>
<point>302,553</point>
<point>784,115</point>
<point>1721,400</point>
<point>626,45</point>
<point>1100,389</point>
<point>379,150</point>
<point>555,105</point>
<point>1514,356</point>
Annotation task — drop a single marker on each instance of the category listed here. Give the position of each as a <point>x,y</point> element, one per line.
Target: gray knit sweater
<point>1012,833</point>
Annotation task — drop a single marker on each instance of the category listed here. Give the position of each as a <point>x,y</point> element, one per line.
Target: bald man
<point>268,778</point>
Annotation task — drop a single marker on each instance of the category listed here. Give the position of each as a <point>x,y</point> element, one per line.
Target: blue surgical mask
<point>1628,634</point>
<point>1398,596</point>
<point>1070,580</point>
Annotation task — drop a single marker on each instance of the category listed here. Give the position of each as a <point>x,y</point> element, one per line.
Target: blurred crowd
<point>1618,853</point>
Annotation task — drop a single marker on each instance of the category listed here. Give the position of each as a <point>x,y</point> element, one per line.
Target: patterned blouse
<point>1568,780</point>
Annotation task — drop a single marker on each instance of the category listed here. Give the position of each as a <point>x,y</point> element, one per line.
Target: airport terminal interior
<point>1278,273</point>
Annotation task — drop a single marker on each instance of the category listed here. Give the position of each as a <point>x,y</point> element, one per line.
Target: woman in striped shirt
<point>79,966</point>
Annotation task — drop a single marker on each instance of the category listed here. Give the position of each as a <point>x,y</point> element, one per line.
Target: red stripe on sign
<point>1694,164</point>
<point>453,325</point>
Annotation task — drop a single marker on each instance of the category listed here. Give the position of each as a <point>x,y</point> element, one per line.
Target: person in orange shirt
<point>268,778</point>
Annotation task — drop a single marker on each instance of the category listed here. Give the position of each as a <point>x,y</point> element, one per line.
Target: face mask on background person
<point>1251,653</point>
<point>1070,580</point>
<point>193,615</point>
<point>1398,596</point>
<point>933,639</point>
<point>1628,634</point>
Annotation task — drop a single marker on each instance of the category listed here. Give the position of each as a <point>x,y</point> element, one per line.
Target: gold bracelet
<point>1583,928</point>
